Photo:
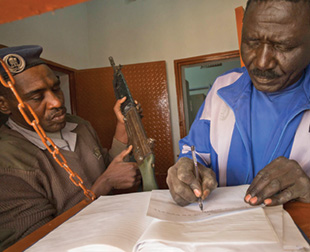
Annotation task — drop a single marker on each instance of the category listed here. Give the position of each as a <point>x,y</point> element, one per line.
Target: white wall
<point>63,35</point>
<point>132,31</point>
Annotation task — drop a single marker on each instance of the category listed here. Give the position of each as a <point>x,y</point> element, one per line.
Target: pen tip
<point>201,206</point>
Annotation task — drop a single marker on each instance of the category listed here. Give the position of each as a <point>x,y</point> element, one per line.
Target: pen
<point>197,174</point>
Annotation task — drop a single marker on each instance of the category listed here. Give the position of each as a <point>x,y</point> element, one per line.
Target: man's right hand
<point>118,175</point>
<point>183,185</point>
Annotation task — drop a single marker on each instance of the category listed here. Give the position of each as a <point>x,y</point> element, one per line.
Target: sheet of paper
<point>275,216</point>
<point>238,228</point>
<point>277,222</point>
<point>109,222</point>
<point>221,201</point>
<point>288,233</point>
<point>292,238</point>
<point>116,223</point>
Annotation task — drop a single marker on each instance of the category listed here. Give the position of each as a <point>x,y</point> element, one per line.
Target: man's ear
<point>4,106</point>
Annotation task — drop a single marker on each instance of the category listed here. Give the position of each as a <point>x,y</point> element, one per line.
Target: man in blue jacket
<point>253,127</point>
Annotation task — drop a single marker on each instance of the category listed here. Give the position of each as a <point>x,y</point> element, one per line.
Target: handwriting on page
<point>223,200</point>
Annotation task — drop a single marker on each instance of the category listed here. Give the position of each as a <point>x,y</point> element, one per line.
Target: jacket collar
<point>239,91</point>
<point>65,139</point>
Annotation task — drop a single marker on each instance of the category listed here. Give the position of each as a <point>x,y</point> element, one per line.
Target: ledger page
<point>221,201</point>
<point>110,223</point>
<point>236,230</point>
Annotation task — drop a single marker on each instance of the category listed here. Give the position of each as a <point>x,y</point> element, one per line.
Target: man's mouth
<point>262,80</point>
<point>267,75</point>
<point>264,77</point>
<point>59,115</point>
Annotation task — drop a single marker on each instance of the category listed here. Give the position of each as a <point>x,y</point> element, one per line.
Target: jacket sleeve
<point>199,136</point>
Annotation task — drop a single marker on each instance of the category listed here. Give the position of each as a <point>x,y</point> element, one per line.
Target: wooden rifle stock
<point>142,146</point>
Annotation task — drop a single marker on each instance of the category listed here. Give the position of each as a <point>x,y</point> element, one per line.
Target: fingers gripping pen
<point>196,174</point>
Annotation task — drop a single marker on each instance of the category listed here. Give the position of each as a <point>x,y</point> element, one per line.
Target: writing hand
<point>183,185</point>
<point>279,182</point>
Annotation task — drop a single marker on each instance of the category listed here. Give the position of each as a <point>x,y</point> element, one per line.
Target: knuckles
<point>184,178</point>
<point>286,195</point>
<point>210,183</point>
<point>276,184</point>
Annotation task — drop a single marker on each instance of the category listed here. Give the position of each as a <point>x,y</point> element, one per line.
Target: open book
<point>151,221</point>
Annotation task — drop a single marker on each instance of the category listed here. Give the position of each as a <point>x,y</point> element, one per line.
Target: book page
<point>221,201</point>
<point>110,223</point>
<point>293,241</point>
<point>233,231</point>
<point>117,223</point>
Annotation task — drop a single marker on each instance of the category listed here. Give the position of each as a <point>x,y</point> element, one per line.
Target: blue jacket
<point>221,136</point>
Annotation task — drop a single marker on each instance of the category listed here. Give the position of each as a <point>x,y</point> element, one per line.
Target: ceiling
<point>12,10</point>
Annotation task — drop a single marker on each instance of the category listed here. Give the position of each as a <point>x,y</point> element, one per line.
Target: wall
<point>63,35</point>
<point>132,31</point>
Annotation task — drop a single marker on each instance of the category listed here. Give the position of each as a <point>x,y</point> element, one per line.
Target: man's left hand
<point>120,131</point>
<point>117,110</point>
<point>279,182</point>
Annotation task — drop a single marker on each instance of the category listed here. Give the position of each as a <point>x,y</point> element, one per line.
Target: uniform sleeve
<point>108,155</point>
<point>23,209</point>
<point>116,148</point>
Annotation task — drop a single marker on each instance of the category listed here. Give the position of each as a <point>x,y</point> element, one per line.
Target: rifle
<point>142,146</point>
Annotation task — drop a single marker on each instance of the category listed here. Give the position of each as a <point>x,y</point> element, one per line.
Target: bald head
<point>292,1</point>
<point>275,45</point>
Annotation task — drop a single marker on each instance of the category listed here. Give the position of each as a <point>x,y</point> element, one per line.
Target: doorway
<point>194,78</point>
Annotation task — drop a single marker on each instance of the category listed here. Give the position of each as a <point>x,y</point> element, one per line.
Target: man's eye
<point>253,43</point>
<point>283,48</point>
<point>37,98</point>
<point>56,89</point>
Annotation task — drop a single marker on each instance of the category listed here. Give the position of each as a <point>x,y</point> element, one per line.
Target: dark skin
<point>275,49</point>
<point>275,44</point>
<point>40,89</point>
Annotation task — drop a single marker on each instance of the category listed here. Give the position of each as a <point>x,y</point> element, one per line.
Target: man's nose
<point>54,100</point>
<point>265,57</point>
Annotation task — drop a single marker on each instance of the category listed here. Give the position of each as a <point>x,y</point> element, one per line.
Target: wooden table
<point>300,213</point>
